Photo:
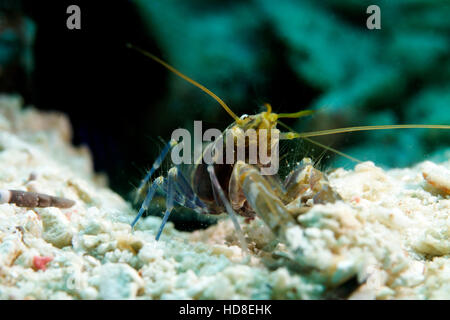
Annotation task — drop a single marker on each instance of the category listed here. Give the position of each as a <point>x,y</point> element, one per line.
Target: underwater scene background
<point>293,54</point>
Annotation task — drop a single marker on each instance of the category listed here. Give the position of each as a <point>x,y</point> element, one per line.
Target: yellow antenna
<point>299,114</point>
<point>369,128</point>
<point>181,75</point>
<point>294,135</point>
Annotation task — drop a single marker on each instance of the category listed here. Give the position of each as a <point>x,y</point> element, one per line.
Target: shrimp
<point>240,188</point>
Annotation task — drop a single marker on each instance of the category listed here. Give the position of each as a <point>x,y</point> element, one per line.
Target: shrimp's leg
<point>169,199</point>
<point>148,198</point>
<point>176,189</point>
<point>154,167</point>
<point>184,194</point>
<point>226,203</point>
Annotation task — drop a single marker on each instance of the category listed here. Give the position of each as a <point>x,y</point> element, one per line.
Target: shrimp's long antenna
<point>319,144</point>
<point>192,81</point>
<point>369,128</point>
<point>299,114</point>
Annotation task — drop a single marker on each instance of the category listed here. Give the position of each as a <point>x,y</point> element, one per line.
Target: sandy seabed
<point>390,233</point>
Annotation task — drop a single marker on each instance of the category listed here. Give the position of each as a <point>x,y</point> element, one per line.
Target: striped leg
<point>191,200</point>
<point>169,200</point>
<point>226,203</point>
<point>176,189</point>
<point>155,167</point>
<point>148,198</point>
<point>182,193</point>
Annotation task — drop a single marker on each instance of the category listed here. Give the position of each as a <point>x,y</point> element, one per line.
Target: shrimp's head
<point>267,119</point>
<point>264,120</point>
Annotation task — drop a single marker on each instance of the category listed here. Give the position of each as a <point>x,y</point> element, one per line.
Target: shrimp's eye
<point>244,116</point>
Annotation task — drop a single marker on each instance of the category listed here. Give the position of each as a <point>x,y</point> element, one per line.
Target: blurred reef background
<point>294,54</point>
